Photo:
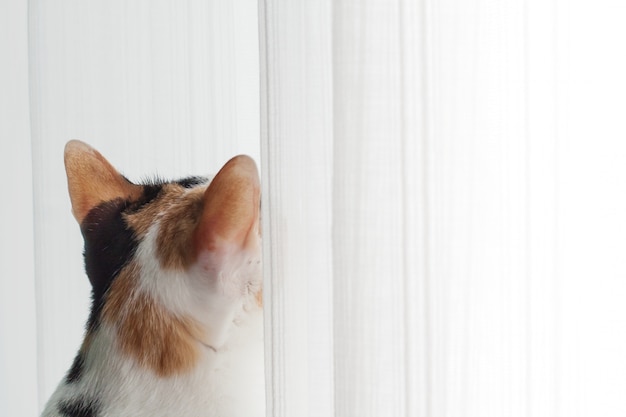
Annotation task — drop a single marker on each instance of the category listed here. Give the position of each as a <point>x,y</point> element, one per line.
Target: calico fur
<point>175,327</point>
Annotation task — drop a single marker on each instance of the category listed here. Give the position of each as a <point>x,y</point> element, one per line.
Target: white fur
<point>228,381</point>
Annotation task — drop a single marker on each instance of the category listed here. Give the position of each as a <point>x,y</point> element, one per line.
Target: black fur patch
<point>191,182</point>
<point>151,191</point>
<point>109,245</point>
<point>76,371</point>
<point>78,408</point>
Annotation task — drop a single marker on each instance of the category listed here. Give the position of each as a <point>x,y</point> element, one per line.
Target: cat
<point>175,327</point>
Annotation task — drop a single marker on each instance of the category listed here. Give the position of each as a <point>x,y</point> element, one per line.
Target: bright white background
<point>444,189</point>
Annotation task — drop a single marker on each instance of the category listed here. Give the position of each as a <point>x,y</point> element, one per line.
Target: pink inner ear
<point>230,207</point>
<point>92,179</point>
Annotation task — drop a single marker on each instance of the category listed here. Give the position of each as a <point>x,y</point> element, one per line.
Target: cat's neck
<point>228,380</point>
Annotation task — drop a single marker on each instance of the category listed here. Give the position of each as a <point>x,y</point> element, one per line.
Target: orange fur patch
<point>175,243</point>
<point>147,332</point>
<point>231,205</point>
<point>179,211</point>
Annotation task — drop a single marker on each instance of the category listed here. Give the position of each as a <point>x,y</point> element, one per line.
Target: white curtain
<point>445,182</point>
<point>444,189</point>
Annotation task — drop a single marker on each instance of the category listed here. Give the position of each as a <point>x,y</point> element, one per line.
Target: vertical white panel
<point>542,60</point>
<point>368,210</point>
<point>444,207</point>
<point>481,286</point>
<point>512,111</point>
<point>592,203</point>
<point>297,189</point>
<point>414,129</point>
<point>160,87</point>
<point>477,201</point>
<point>18,360</point>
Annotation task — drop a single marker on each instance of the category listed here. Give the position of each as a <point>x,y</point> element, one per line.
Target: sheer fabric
<point>427,169</point>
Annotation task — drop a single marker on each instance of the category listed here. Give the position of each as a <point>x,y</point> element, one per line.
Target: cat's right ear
<point>92,180</point>
<point>230,215</point>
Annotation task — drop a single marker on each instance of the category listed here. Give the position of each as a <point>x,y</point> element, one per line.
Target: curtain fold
<point>443,188</point>
<point>297,151</point>
<point>373,198</point>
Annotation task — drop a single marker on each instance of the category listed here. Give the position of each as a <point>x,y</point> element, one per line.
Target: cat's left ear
<point>231,204</point>
<point>91,179</point>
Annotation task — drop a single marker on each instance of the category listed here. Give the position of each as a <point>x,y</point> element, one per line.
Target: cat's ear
<point>91,179</point>
<point>231,204</point>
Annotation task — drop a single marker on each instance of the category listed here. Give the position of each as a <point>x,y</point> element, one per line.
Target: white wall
<point>18,336</point>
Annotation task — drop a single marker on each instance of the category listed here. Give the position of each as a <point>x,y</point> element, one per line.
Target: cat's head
<point>171,264</point>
